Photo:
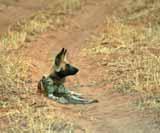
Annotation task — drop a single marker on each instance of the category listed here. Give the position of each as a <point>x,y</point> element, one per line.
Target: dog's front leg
<point>75,93</point>
<point>67,91</point>
<point>61,100</point>
<point>51,96</point>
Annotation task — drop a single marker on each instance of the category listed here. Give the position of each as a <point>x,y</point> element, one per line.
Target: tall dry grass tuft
<point>70,6</point>
<point>13,75</point>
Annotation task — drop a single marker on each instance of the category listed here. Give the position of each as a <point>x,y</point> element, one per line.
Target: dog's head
<point>62,67</point>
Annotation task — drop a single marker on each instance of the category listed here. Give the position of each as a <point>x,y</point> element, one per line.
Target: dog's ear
<point>60,58</point>
<point>65,55</point>
<point>62,52</point>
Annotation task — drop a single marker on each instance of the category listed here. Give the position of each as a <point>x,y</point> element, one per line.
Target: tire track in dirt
<point>113,114</point>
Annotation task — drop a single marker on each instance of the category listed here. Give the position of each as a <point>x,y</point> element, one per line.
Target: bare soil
<point>115,112</point>
<point>12,11</point>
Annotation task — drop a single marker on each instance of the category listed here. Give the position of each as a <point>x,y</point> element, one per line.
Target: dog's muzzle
<point>70,70</point>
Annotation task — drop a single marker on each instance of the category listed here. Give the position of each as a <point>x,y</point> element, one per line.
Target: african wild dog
<point>53,86</point>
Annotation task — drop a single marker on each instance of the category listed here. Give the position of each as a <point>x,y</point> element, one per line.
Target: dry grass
<point>71,5</point>
<point>132,52</point>
<point>13,71</point>
<point>21,109</point>
<point>32,119</point>
<point>26,30</point>
<point>146,11</point>
<point>12,79</point>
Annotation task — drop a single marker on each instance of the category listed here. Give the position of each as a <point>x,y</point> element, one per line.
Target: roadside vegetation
<point>130,46</point>
<point>18,101</point>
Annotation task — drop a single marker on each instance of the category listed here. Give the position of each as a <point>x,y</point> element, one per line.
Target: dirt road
<point>114,113</point>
